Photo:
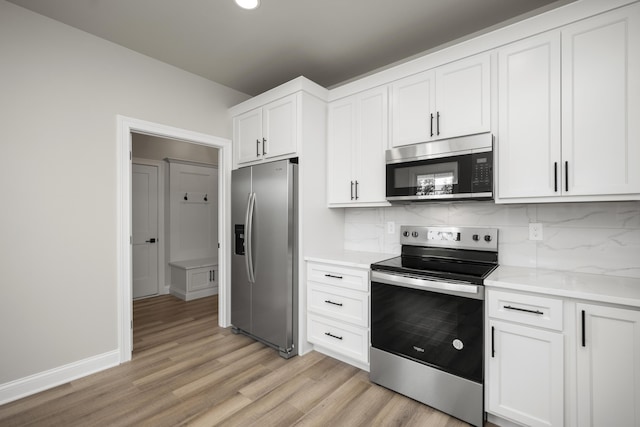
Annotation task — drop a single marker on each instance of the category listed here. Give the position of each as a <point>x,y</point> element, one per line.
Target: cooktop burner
<point>450,253</point>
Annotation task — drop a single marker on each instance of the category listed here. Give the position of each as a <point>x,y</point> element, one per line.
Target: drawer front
<point>344,277</point>
<point>340,304</point>
<point>534,310</point>
<point>341,338</point>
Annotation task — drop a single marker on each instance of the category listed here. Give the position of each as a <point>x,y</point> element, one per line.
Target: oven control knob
<point>414,234</point>
<point>476,237</point>
<point>487,238</point>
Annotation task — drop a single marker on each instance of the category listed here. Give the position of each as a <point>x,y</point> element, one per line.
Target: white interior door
<point>144,225</point>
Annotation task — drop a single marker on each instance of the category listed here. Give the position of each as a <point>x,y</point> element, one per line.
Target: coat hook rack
<point>186,196</point>
<point>206,199</point>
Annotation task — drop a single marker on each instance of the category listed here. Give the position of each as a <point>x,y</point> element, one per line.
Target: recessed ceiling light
<point>248,4</point>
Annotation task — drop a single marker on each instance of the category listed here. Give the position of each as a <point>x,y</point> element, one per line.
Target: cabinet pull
<point>333,276</point>
<point>555,176</point>
<point>351,190</point>
<point>438,123</point>
<point>339,304</point>
<point>584,333</point>
<point>431,125</point>
<point>257,148</point>
<point>357,190</point>
<point>210,275</point>
<point>526,310</point>
<point>264,145</point>
<point>493,341</point>
<point>566,176</point>
<point>329,334</point>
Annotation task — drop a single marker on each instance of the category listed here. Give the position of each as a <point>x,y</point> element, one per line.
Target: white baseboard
<point>32,384</point>
<point>189,296</point>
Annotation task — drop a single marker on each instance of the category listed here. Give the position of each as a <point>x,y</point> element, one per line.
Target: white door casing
<point>125,126</point>
<point>144,223</point>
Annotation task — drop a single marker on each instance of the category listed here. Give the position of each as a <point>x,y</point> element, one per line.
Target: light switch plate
<point>535,231</point>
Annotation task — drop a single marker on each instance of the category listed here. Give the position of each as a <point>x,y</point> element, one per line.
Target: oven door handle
<point>460,289</point>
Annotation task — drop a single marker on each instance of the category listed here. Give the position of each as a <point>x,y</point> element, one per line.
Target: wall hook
<point>205,198</point>
<point>186,196</point>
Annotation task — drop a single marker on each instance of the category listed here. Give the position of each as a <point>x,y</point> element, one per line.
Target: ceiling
<point>327,41</point>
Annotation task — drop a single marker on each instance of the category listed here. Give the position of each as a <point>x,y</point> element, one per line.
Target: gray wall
<point>61,90</point>
<point>156,148</point>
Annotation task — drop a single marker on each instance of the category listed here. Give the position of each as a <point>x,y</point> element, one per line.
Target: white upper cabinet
<point>601,104</point>
<point>528,144</point>
<point>568,108</point>
<point>463,97</point>
<point>412,109</point>
<point>266,132</point>
<point>448,101</point>
<point>357,140</point>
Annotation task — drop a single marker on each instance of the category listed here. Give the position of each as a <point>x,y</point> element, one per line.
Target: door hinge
<point>218,245</point>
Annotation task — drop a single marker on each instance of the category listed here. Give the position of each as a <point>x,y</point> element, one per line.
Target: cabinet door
<point>462,97</point>
<point>525,379</point>
<point>248,135</point>
<point>528,142</point>
<point>608,366</point>
<point>413,109</point>
<point>280,127</point>
<point>372,143</point>
<point>601,104</point>
<point>341,144</point>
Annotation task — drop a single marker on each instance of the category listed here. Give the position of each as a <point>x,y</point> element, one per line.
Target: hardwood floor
<point>188,371</point>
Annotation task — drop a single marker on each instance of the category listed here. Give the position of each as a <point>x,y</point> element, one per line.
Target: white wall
<point>601,238</point>
<point>60,92</point>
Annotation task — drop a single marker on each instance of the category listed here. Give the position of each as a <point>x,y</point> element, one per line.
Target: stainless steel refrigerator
<point>264,257</point>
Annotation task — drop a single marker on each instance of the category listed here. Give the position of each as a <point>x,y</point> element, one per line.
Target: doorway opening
<point>126,128</point>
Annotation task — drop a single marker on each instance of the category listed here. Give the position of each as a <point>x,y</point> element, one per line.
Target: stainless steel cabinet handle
<point>357,190</point>
<point>351,190</point>
<point>555,176</point>
<point>332,336</point>
<point>438,123</point>
<point>257,147</point>
<point>333,276</point>
<point>264,145</point>
<point>566,176</point>
<point>526,310</point>
<point>339,304</point>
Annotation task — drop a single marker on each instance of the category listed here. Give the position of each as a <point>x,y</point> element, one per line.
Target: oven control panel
<point>476,238</point>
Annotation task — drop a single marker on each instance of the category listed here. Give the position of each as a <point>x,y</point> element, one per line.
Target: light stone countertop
<point>583,286</point>
<point>195,263</point>
<point>350,258</point>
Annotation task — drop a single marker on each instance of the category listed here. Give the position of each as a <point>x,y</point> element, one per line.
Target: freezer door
<point>240,285</point>
<point>273,245</point>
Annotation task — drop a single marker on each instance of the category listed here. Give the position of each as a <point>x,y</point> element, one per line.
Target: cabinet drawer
<point>344,277</point>
<point>531,310</point>
<point>339,337</point>
<point>340,304</point>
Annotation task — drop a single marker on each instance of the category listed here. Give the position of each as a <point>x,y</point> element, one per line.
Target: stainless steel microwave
<point>451,169</point>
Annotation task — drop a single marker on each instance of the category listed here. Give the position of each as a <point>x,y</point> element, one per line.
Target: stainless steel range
<point>427,317</point>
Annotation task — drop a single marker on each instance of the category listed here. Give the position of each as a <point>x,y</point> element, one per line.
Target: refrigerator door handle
<point>248,237</point>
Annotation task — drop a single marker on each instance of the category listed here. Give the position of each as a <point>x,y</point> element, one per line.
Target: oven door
<point>434,323</point>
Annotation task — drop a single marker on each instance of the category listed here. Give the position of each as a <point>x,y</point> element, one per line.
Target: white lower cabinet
<point>338,312</point>
<point>192,279</point>
<point>525,358</point>
<point>608,366</point>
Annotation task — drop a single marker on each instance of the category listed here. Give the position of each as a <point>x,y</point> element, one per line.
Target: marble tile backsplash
<point>602,238</point>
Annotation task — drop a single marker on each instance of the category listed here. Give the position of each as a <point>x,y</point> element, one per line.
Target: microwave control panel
<point>482,172</point>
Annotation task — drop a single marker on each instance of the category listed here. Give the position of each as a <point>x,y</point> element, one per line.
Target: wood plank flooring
<point>187,371</point>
